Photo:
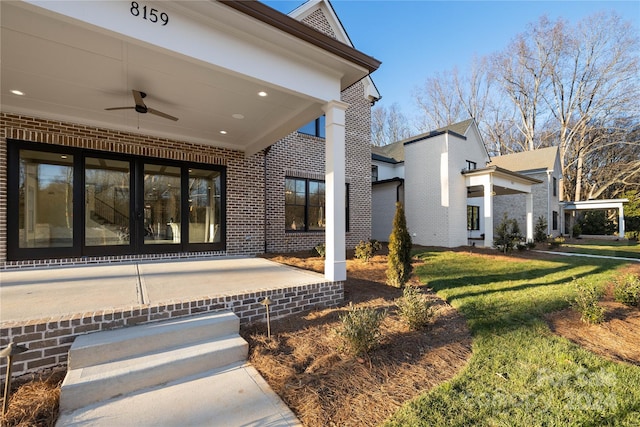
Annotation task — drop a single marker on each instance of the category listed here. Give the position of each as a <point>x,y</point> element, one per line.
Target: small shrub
<point>321,250</point>
<point>361,329</point>
<point>555,242</point>
<point>540,231</point>
<point>414,309</point>
<point>507,234</point>
<point>366,250</point>
<point>399,259</point>
<point>576,230</point>
<point>531,245</point>
<point>587,301</point>
<point>627,290</point>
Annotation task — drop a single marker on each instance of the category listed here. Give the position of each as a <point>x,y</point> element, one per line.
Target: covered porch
<point>616,204</point>
<point>46,308</point>
<point>494,181</point>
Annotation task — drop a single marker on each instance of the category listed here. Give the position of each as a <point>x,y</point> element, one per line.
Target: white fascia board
<point>216,35</point>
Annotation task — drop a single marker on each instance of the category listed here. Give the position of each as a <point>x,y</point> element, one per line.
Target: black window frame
<point>306,205</point>
<point>554,220</point>
<point>473,218</point>
<point>318,125</point>
<point>555,187</point>
<point>471,165</point>
<point>136,244</point>
<point>375,173</point>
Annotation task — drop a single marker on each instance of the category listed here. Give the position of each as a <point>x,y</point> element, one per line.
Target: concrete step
<point>107,346</point>
<point>87,385</point>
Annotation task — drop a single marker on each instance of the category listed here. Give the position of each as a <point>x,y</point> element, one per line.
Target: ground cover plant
<point>521,373</point>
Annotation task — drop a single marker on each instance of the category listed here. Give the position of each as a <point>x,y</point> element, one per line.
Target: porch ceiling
<point>71,70</point>
<point>504,181</point>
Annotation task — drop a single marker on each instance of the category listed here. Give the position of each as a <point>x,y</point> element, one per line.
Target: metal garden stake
<point>266,302</point>
<point>10,351</point>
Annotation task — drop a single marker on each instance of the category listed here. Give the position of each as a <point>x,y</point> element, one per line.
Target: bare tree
<point>388,125</point>
<point>575,87</point>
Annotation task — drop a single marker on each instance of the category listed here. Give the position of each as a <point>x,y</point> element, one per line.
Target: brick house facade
<point>255,184</point>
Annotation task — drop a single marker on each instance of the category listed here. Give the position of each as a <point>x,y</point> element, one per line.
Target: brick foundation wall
<point>49,340</point>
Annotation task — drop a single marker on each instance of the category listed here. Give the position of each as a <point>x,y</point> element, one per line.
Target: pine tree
<point>399,264</point>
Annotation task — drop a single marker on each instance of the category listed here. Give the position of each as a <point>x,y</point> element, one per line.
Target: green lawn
<point>520,373</point>
<point>602,247</point>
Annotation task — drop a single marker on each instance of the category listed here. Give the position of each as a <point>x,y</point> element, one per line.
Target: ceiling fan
<point>140,106</point>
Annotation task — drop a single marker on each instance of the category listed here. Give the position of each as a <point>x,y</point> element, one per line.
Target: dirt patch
<point>305,362</point>
<point>615,339</point>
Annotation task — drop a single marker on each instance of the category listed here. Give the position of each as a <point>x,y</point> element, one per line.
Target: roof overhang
<point>504,181</point>
<point>594,204</point>
<point>205,66</point>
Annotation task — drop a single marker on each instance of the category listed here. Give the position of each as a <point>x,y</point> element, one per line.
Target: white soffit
<point>74,59</point>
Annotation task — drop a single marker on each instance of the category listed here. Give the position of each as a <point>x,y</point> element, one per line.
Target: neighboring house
<point>447,186</point>
<point>543,164</point>
<point>270,151</point>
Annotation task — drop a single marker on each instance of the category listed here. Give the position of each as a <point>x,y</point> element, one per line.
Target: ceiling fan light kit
<point>141,107</point>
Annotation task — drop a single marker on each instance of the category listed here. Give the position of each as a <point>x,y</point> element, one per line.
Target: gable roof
<point>394,152</point>
<point>338,30</point>
<point>540,159</point>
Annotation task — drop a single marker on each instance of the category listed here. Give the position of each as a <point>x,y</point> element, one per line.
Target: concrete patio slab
<point>166,281</point>
<point>39,293</point>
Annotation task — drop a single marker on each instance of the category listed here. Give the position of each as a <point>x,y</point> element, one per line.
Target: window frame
<point>306,206</point>
<point>473,218</point>
<point>79,248</point>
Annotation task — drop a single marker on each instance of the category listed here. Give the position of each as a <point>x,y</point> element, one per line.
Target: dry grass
<point>305,364</point>
<point>34,400</point>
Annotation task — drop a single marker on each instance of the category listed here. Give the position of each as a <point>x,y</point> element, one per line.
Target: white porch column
<point>488,212</point>
<point>335,265</point>
<point>621,222</point>
<point>529,207</point>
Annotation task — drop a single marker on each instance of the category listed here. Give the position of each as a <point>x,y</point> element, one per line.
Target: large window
<point>65,202</point>
<point>473,217</point>
<point>45,215</point>
<point>304,205</point>
<point>304,202</point>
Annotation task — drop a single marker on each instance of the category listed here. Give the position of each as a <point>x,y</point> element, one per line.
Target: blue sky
<point>416,39</point>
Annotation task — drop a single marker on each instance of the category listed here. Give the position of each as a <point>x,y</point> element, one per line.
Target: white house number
<point>150,14</point>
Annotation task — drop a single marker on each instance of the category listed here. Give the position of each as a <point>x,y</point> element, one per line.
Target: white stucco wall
<point>436,201</point>
<point>383,205</point>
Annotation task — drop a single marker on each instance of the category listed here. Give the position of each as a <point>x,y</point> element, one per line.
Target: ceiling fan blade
<point>161,114</point>
<point>120,108</point>
<point>137,97</point>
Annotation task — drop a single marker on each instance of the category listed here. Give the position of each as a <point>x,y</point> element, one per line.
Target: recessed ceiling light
<point>224,132</point>
<point>17,92</point>
<point>262,93</point>
<point>237,116</point>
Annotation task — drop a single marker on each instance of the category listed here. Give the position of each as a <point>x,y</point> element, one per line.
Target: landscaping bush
<point>627,290</point>
<point>587,301</point>
<point>366,250</point>
<point>540,230</point>
<point>596,222</point>
<point>399,259</point>
<point>321,250</point>
<point>576,230</point>
<point>361,329</point>
<point>507,234</point>
<point>414,309</point>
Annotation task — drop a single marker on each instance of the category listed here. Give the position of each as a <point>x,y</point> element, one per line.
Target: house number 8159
<point>150,14</point>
